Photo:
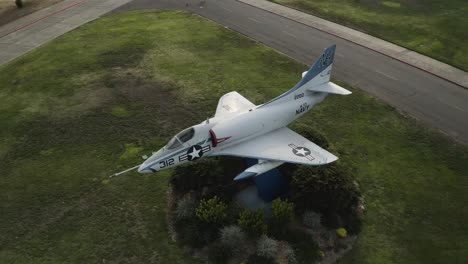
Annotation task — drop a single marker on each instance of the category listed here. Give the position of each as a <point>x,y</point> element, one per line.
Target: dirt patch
<point>9,11</point>
<point>150,105</point>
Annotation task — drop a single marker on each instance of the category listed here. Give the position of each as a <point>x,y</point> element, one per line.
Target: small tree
<point>233,238</point>
<point>266,247</point>
<point>282,211</point>
<point>252,222</point>
<point>212,211</point>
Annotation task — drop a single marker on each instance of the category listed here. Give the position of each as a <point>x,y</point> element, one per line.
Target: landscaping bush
<point>234,239</point>
<point>185,208</point>
<point>212,211</point>
<point>282,211</point>
<point>305,248</point>
<point>208,177</point>
<point>218,253</point>
<point>190,228</point>
<point>252,222</point>
<point>266,247</point>
<point>256,259</point>
<point>191,233</point>
<point>234,210</point>
<point>290,254</point>
<point>311,219</point>
<point>353,223</point>
<point>341,232</point>
<point>312,135</point>
<point>329,189</point>
<point>196,175</point>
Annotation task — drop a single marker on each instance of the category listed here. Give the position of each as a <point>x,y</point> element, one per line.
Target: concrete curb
<point>424,63</point>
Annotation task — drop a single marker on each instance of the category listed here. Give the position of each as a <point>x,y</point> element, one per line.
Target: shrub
<point>196,175</point>
<point>312,135</point>
<point>341,232</point>
<point>329,189</point>
<point>234,210</point>
<point>311,219</point>
<point>212,211</point>
<point>190,233</point>
<point>233,238</point>
<point>290,254</point>
<point>252,222</point>
<point>218,253</point>
<point>256,259</point>
<point>282,211</point>
<point>208,177</point>
<point>321,254</point>
<point>266,247</point>
<point>305,247</point>
<point>185,208</point>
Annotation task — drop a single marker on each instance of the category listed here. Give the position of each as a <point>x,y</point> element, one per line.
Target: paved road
<point>439,103</point>
<point>31,31</point>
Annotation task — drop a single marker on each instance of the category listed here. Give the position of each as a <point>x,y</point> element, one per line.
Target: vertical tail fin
<point>318,74</point>
<point>320,68</point>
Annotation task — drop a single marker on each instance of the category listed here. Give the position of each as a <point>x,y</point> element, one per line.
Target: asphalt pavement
<point>435,101</point>
<point>426,97</point>
<point>31,31</point>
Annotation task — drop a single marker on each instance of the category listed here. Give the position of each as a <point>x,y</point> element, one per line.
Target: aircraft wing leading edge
<point>281,145</point>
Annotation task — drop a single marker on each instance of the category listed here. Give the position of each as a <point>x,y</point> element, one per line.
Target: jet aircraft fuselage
<point>216,134</point>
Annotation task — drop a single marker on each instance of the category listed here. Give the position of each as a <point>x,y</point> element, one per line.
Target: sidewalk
<point>404,55</point>
<point>31,31</point>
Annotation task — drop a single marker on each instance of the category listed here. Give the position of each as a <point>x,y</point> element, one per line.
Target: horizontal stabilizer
<point>257,169</point>
<point>329,87</point>
<point>244,175</point>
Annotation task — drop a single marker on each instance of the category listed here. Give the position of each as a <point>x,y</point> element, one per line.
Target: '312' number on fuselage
<point>166,163</point>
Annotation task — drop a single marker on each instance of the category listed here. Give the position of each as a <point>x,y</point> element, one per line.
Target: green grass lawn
<point>436,28</point>
<point>90,102</point>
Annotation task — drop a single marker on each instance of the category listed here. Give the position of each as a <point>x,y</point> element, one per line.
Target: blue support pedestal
<point>270,185</point>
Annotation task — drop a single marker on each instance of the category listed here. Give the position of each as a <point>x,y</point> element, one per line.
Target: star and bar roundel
<point>301,152</point>
<point>194,152</point>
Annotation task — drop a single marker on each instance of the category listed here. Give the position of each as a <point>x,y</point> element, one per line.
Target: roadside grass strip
<point>431,27</point>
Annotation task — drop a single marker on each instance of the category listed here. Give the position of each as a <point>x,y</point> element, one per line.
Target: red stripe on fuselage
<point>214,140</point>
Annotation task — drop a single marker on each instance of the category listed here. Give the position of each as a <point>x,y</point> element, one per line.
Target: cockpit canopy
<point>180,138</point>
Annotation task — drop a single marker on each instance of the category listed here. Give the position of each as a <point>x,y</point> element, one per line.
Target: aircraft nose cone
<point>145,169</point>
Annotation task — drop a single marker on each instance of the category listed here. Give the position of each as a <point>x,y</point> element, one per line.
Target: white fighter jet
<point>240,128</point>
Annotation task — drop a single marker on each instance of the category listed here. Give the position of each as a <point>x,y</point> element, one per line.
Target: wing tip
<point>327,159</point>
